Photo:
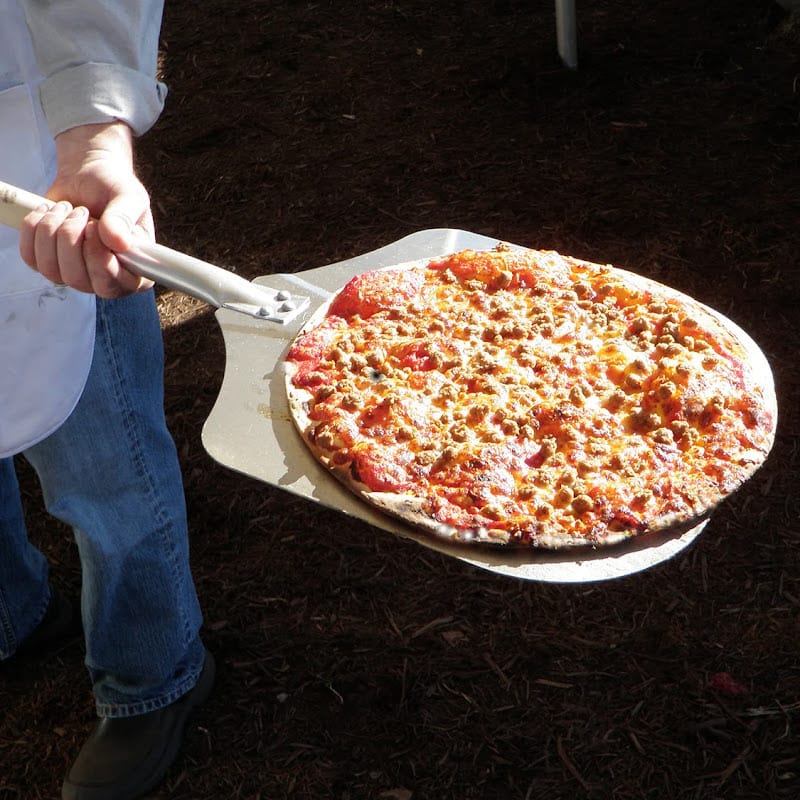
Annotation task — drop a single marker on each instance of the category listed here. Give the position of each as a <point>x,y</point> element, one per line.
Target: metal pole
<point>567,32</point>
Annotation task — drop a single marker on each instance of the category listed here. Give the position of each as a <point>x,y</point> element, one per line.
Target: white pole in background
<point>567,32</point>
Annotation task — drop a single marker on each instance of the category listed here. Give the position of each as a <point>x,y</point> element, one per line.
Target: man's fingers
<point>69,249</point>
<point>120,219</point>
<point>45,245</point>
<point>108,278</point>
<point>27,233</point>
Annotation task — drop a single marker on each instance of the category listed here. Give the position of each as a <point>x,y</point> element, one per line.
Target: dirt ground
<point>354,665</point>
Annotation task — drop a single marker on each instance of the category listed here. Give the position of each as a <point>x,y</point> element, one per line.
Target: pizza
<point>526,399</point>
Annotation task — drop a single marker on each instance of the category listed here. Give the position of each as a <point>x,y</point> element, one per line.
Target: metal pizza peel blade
<point>250,430</point>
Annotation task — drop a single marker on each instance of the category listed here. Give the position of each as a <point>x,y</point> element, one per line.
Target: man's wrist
<point>113,138</point>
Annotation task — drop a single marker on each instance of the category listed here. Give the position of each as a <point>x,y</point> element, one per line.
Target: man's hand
<point>102,206</point>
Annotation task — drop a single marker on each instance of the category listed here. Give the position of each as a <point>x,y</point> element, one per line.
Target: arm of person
<point>100,91</point>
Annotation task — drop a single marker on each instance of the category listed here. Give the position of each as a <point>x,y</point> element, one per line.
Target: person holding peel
<point>81,387</point>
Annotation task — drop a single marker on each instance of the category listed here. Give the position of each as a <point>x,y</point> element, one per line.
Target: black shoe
<point>124,758</point>
<point>60,623</point>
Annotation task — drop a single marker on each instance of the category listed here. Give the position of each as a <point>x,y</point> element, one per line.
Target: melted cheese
<point>526,392</point>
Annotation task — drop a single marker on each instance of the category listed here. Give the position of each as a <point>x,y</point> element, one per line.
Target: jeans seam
<point>8,629</point>
<point>128,417</point>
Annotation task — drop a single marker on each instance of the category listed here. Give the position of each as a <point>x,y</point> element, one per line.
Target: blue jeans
<point>111,472</point>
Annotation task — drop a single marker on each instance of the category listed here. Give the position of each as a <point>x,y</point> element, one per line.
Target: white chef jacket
<point>61,64</point>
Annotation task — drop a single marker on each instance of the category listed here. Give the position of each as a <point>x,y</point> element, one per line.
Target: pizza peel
<point>250,429</point>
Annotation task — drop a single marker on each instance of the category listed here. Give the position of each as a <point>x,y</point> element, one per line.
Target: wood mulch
<point>354,665</point>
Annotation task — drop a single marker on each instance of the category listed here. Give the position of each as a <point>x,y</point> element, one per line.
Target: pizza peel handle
<point>211,284</point>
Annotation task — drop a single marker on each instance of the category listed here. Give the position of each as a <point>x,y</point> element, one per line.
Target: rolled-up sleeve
<point>99,61</point>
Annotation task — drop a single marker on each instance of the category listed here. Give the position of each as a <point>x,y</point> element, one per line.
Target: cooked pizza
<point>527,399</point>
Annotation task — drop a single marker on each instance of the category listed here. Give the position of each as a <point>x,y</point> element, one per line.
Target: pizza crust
<point>410,509</point>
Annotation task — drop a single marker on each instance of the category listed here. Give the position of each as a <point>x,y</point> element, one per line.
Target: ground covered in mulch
<point>356,665</point>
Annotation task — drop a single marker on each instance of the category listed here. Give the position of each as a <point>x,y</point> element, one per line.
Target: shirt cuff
<point>94,93</point>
